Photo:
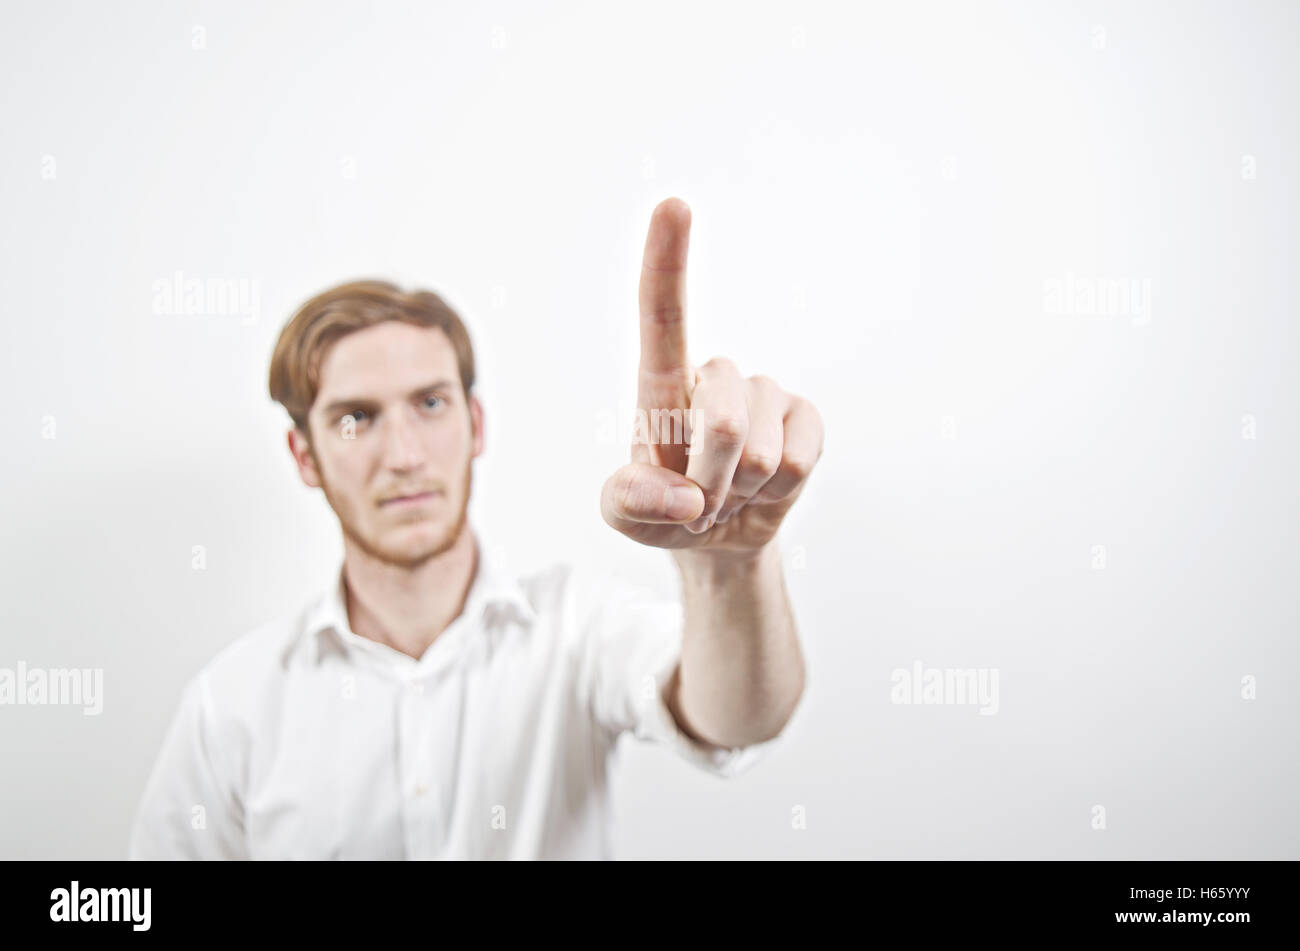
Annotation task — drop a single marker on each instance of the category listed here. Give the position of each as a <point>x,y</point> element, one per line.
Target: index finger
<point>663,288</point>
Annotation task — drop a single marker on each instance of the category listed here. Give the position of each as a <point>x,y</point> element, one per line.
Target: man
<point>428,705</point>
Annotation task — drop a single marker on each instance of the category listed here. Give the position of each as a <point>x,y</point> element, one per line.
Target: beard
<point>394,556</point>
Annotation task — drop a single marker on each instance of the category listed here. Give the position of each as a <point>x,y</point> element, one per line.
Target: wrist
<point>723,564</point>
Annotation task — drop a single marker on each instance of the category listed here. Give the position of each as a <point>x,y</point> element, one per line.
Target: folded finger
<point>719,418</point>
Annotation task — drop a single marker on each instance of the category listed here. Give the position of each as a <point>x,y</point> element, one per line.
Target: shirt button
<point>421,789</point>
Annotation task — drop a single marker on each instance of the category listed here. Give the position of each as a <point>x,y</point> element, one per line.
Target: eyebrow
<point>361,402</point>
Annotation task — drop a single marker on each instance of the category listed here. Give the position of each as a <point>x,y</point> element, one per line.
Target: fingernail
<point>700,525</point>
<point>679,501</point>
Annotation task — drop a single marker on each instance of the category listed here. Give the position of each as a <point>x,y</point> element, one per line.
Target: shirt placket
<point>420,794</point>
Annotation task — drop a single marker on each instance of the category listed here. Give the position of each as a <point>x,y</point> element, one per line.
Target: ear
<point>476,422</point>
<point>300,447</point>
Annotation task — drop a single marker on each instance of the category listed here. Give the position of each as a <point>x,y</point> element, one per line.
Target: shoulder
<point>237,684</point>
<point>604,608</point>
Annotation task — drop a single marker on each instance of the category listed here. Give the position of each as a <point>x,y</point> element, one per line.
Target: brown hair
<point>333,314</point>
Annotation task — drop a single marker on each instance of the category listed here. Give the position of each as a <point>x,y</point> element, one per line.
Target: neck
<point>408,609</point>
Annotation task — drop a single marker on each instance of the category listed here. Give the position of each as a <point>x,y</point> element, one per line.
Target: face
<point>392,440</point>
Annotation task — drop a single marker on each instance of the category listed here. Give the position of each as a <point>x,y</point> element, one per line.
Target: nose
<point>402,447</point>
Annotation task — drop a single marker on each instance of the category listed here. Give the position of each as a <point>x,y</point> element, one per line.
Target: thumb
<point>640,492</point>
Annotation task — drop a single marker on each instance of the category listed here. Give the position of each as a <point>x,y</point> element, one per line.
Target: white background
<point>882,198</point>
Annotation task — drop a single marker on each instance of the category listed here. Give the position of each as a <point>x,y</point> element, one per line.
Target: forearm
<point>742,670</point>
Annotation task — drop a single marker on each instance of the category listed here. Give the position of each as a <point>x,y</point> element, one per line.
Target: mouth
<point>405,501</point>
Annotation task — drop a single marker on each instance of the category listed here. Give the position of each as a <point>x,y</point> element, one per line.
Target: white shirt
<point>304,740</point>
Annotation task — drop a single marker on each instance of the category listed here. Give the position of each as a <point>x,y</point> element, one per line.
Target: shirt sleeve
<point>189,809</point>
<point>634,642</point>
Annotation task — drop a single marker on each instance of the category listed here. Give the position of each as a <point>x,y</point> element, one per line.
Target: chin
<point>420,540</point>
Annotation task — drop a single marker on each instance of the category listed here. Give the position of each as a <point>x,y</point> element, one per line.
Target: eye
<point>358,415</point>
<point>433,397</point>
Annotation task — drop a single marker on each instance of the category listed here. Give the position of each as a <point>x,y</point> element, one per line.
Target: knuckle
<point>713,501</point>
<point>727,428</point>
<point>666,315</point>
<point>724,364</point>
<point>627,495</point>
<point>762,464</point>
<point>666,383</point>
<point>799,467</point>
<point>809,407</point>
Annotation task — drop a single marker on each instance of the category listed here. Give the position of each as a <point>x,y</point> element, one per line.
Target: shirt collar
<point>494,591</point>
